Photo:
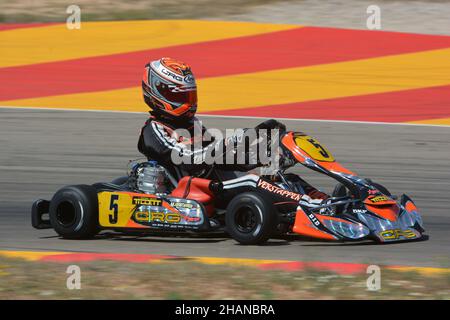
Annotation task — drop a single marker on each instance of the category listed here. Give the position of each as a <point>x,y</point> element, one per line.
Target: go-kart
<point>250,208</point>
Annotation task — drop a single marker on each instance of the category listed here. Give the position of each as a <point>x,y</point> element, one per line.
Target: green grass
<point>21,279</point>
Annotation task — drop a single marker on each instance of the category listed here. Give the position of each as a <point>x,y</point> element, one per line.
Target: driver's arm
<point>155,142</point>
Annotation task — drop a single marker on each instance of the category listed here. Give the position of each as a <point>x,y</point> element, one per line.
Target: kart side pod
<point>198,189</point>
<point>188,207</point>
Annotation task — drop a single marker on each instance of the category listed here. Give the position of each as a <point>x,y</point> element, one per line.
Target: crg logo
<point>171,75</point>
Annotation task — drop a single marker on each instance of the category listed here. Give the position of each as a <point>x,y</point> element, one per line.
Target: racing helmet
<point>169,89</point>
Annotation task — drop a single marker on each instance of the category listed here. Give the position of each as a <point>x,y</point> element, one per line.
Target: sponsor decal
<point>379,199</point>
<point>142,216</point>
<point>165,217</point>
<point>313,219</point>
<point>278,191</point>
<point>190,219</point>
<point>189,78</point>
<point>395,234</point>
<point>182,205</point>
<point>147,201</point>
<point>359,211</point>
<point>171,75</point>
<point>187,210</point>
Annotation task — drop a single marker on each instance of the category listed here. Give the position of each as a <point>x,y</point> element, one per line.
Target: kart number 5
<point>321,149</point>
<point>113,217</point>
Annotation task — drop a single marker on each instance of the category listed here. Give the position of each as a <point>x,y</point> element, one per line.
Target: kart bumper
<point>38,210</point>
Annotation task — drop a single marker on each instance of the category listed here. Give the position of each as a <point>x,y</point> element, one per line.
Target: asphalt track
<point>42,150</point>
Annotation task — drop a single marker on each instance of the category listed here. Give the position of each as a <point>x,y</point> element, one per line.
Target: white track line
<point>338,121</point>
<point>73,110</point>
<point>241,117</point>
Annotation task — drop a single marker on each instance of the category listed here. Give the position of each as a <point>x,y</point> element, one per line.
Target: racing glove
<point>231,149</point>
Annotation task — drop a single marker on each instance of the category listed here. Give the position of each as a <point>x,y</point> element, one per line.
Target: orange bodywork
<point>389,212</point>
<point>410,206</point>
<point>195,189</point>
<point>385,208</point>
<point>336,167</point>
<point>288,142</point>
<point>134,225</point>
<point>305,227</point>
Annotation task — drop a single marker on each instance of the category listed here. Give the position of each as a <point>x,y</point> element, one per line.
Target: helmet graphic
<point>169,89</point>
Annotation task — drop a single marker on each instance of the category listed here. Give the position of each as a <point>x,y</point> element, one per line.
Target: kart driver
<point>170,90</point>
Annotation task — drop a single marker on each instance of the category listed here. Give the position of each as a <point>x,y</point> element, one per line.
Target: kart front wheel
<point>250,219</point>
<point>73,212</point>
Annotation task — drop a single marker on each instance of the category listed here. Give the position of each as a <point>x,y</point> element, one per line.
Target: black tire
<point>250,219</point>
<point>74,212</point>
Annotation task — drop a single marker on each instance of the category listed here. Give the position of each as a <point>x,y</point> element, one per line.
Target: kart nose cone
<point>386,230</point>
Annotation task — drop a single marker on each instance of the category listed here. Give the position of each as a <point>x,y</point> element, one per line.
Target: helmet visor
<point>174,93</point>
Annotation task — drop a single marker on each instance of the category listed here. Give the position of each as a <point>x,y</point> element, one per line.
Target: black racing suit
<point>158,141</point>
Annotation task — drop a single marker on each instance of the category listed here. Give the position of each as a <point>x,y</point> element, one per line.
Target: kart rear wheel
<point>250,219</point>
<point>73,212</point>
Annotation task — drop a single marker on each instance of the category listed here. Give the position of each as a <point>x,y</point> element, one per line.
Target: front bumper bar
<point>39,208</point>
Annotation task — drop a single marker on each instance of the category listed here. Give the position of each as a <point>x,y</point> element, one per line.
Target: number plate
<point>313,148</point>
